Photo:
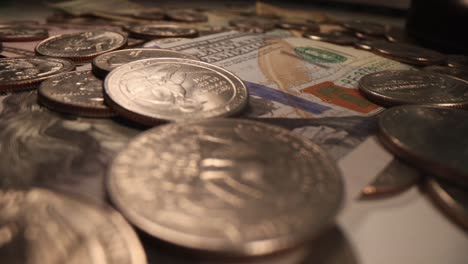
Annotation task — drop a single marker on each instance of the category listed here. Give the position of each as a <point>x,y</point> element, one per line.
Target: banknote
<point>309,87</point>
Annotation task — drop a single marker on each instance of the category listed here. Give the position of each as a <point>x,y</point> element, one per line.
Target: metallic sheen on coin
<point>430,138</point>
<point>186,15</point>
<point>82,46</point>
<point>171,89</point>
<point>332,37</point>
<point>224,185</point>
<point>150,32</point>
<point>365,27</point>
<point>25,73</point>
<point>21,33</point>
<point>389,88</point>
<point>156,42</point>
<point>77,92</point>
<point>459,72</point>
<point>40,226</point>
<point>106,62</point>
<point>408,53</point>
<point>395,178</point>
<point>451,198</point>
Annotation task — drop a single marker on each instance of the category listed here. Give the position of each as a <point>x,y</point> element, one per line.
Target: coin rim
<point>236,105</point>
<point>447,203</point>
<point>77,58</point>
<point>387,101</point>
<point>135,34</point>
<point>418,160</point>
<point>420,61</point>
<point>247,249</point>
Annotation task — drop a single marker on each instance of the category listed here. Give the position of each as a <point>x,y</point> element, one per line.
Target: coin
<point>457,60</point>
<point>395,178</point>
<point>77,92</point>
<point>42,226</point>
<point>432,139</point>
<point>397,34</point>
<point>253,24</point>
<point>106,62</point>
<point>365,27</point>
<point>408,53</point>
<point>134,43</point>
<point>150,32</point>
<point>172,89</point>
<point>156,42</point>
<point>82,46</point>
<point>14,33</point>
<point>334,37</point>
<point>364,44</point>
<point>171,179</point>
<point>151,14</point>
<point>292,25</point>
<point>186,15</point>
<point>459,72</point>
<point>452,199</point>
<point>25,73</point>
<point>389,88</point>
<point>363,36</point>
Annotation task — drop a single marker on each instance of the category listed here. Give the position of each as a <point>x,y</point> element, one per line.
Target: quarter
<point>172,89</point>
<point>82,46</point>
<point>26,72</point>
<point>389,88</point>
<point>150,32</point>
<point>430,138</point>
<point>77,92</point>
<point>106,62</point>
<point>225,186</point>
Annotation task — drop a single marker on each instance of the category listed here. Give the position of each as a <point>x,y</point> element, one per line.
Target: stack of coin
<point>169,180</point>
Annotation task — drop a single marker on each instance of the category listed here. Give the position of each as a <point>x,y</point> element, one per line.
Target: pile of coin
<point>230,171</point>
<point>205,182</point>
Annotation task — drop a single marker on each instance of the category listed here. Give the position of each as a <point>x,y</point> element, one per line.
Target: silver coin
<point>457,61</point>
<point>389,88</point>
<point>365,27</point>
<point>171,89</point>
<point>106,62</point>
<point>82,46</point>
<point>186,15</point>
<point>459,72</point>
<point>333,37</point>
<point>364,44</point>
<point>430,138</point>
<point>451,198</point>
<point>40,226</point>
<point>253,24</point>
<point>171,180</point>
<point>156,42</point>
<point>25,73</point>
<point>408,53</point>
<point>303,26</point>
<point>397,34</point>
<point>22,33</point>
<point>395,178</point>
<point>150,32</point>
<point>77,92</point>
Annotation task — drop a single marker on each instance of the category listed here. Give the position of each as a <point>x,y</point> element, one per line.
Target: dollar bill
<point>309,87</point>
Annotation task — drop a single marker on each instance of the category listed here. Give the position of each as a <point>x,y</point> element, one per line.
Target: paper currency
<point>291,77</point>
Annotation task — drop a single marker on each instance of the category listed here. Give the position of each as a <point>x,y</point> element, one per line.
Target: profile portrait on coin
<point>163,86</point>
